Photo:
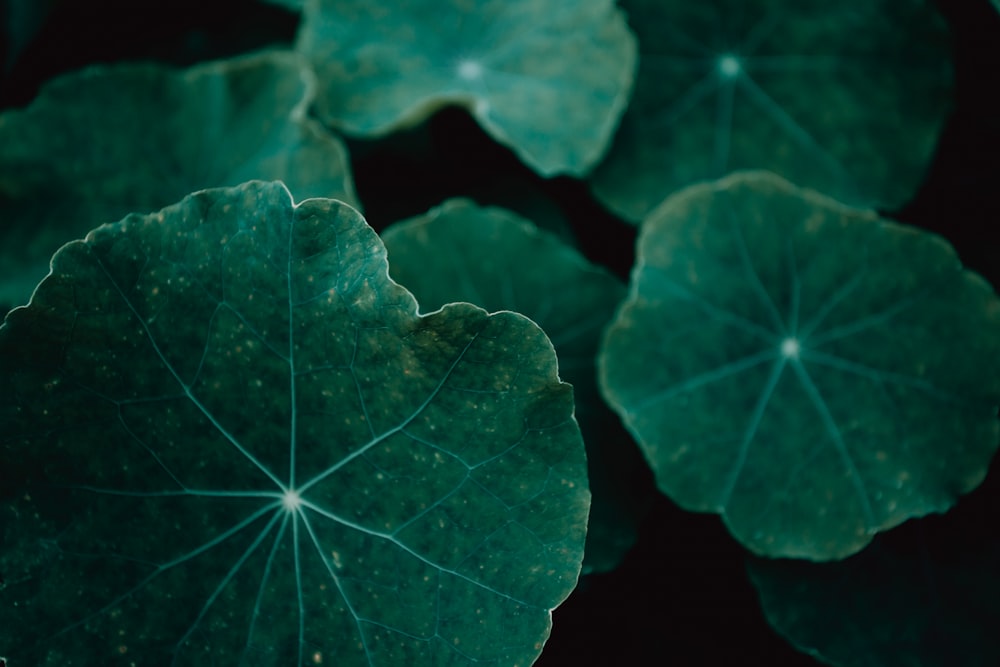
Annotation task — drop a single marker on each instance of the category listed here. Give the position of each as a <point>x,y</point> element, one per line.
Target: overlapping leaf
<point>108,141</point>
<point>496,260</point>
<point>228,438</point>
<point>812,373</point>
<point>550,79</point>
<point>847,98</point>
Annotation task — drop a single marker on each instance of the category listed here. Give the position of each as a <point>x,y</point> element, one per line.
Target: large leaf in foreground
<point>228,438</point>
<point>107,141</point>
<point>499,261</point>
<point>847,98</point>
<point>807,370</point>
<point>548,78</point>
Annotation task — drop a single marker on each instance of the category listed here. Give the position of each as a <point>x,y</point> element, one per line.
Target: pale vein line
<point>293,405</point>
<point>252,329</point>
<point>796,296</point>
<point>671,286</point>
<point>724,125</point>
<point>298,581</point>
<point>336,582</point>
<point>263,583</point>
<point>187,389</point>
<point>702,379</point>
<point>388,537</point>
<point>842,293</point>
<point>751,430</point>
<point>880,376</point>
<point>791,126</point>
<point>184,491</point>
<point>692,96</point>
<point>357,385</point>
<point>792,63</point>
<point>838,440</point>
<point>864,323</point>
<point>149,450</point>
<point>759,32</point>
<point>396,429</point>
<point>226,579</point>
<point>758,286</point>
<point>163,567</point>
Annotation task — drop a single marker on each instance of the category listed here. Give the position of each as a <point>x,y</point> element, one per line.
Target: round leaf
<point>812,373</point>
<point>847,98</point>
<point>107,141</point>
<point>549,79</point>
<point>227,437</point>
<point>499,261</point>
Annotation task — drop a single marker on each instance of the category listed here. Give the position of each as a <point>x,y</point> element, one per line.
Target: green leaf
<point>892,604</point>
<point>227,437</point>
<point>108,141</point>
<point>847,98</point>
<point>500,261</point>
<point>812,373</point>
<point>548,79</point>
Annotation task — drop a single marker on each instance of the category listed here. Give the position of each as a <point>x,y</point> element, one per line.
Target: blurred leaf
<point>550,79</point>
<point>888,606</point>
<point>228,437</point>
<point>499,261</point>
<point>22,20</point>
<point>812,373</point>
<point>107,141</point>
<point>847,98</point>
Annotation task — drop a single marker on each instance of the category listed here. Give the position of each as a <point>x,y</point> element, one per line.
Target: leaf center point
<point>291,500</point>
<point>790,348</point>
<point>470,70</point>
<point>729,66</point>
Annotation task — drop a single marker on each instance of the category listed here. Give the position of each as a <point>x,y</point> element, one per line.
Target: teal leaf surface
<point>809,371</point>
<point>228,438</point>
<point>107,141</point>
<point>499,261</point>
<point>550,79</point>
<point>847,98</point>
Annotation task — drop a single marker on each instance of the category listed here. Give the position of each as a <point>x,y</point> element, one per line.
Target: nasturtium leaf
<point>809,371</point>
<point>888,606</point>
<point>847,98</point>
<point>548,78</point>
<point>497,260</point>
<point>107,141</point>
<point>229,438</point>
